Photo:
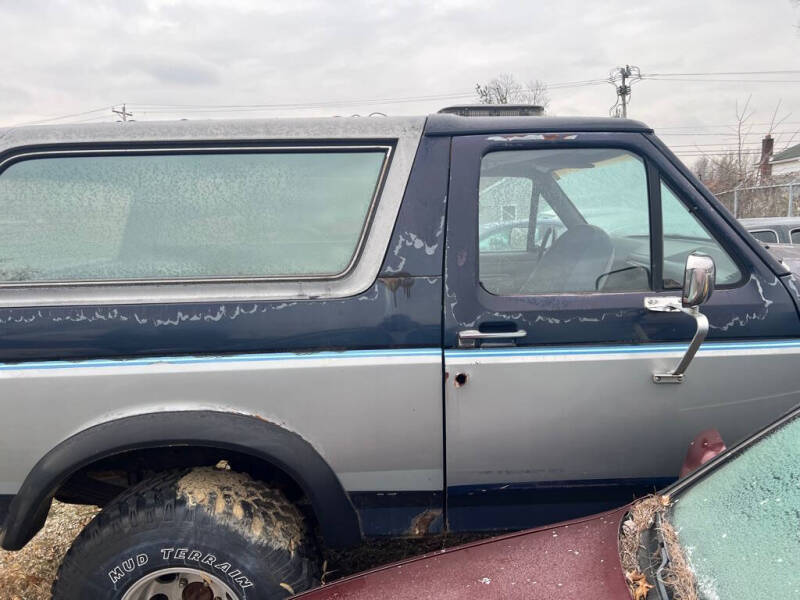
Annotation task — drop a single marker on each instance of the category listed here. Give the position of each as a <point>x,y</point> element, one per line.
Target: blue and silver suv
<point>248,339</point>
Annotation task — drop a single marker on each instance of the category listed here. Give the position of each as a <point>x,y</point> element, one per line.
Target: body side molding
<point>238,432</point>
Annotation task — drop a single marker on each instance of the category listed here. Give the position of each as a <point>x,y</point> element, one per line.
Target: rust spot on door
<point>421,524</point>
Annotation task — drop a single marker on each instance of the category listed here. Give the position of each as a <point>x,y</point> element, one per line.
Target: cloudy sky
<point>216,59</point>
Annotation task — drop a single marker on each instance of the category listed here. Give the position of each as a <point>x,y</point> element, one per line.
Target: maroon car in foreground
<point>729,530</point>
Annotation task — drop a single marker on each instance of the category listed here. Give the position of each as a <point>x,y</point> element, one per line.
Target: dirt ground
<point>28,574</point>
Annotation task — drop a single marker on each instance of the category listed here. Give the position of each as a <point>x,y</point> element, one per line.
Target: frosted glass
<point>184,216</point>
<point>740,526</point>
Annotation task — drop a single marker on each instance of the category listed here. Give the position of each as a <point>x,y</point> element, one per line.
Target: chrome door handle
<point>469,337</point>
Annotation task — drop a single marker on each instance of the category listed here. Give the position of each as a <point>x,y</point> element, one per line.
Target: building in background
<point>786,162</point>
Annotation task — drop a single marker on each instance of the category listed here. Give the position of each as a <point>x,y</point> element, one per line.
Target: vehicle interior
<point>586,227</point>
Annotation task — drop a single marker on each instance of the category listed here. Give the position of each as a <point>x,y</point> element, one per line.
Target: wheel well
<point>101,481</point>
<point>96,464</point>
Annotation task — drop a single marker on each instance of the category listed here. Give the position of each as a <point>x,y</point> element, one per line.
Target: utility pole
<point>124,114</point>
<point>623,75</point>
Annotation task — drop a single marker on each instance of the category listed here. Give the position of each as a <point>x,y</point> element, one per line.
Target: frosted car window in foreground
<point>195,216</point>
<point>740,526</point>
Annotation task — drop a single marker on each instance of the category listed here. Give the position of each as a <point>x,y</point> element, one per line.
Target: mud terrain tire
<point>209,521</point>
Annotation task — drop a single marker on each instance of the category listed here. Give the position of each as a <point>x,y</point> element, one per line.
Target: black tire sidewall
<point>122,560</point>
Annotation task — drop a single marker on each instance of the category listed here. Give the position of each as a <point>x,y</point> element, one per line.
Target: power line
<point>155,108</point>
<point>61,117</point>
<point>95,119</point>
<point>718,134</point>
<point>624,76</point>
<point>717,145</point>
<point>688,153</point>
<point>689,80</point>
<point>667,127</point>
<point>720,73</point>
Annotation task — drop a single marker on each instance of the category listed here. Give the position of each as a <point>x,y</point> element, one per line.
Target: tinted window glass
<point>795,236</point>
<point>588,210</point>
<point>766,236</point>
<point>184,216</point>
<point>683,234</point>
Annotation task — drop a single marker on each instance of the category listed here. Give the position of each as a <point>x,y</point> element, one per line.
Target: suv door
<point>554,403</point>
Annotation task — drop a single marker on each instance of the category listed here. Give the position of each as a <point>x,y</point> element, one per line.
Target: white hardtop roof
<point>213,130</point>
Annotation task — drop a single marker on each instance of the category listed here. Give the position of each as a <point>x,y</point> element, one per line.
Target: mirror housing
<point>699,280</point>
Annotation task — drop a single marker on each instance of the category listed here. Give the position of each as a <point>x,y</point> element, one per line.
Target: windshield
<point>740,525</point>
<point>608,193</point>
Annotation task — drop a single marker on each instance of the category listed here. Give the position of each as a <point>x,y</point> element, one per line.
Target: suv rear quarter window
<point>284,213</point>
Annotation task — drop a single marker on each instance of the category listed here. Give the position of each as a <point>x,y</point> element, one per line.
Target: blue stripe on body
<point>638,349</point>
<point>407,352</point>
<point>233,358</point>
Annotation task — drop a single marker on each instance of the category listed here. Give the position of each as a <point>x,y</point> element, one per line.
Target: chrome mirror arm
<point>673,304</point>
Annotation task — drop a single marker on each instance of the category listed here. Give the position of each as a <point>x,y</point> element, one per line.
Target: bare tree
<point>743,129</point>
<point>734,167</point>
<point>538,93</point>
<point>737,168</point>
<point>506,89</point>
<point>704,169</point>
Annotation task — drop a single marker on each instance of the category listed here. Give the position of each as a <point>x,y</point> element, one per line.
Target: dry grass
<point>641,517</point>
<point>29,573</point>
<point>678,575</point>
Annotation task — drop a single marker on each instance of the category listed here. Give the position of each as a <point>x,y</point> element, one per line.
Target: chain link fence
<point>777,200</point>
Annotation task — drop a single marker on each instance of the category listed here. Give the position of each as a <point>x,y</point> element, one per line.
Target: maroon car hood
<point>575,559</point>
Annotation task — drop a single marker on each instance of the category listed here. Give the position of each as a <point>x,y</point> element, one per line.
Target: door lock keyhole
<point>460,379</point>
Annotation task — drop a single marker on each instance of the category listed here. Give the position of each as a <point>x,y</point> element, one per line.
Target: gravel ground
<point>28,574</point>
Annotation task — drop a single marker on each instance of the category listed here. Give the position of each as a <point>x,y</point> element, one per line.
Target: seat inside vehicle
<point>573,263</point>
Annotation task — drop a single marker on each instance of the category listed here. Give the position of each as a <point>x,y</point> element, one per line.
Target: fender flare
<point>286,450</point>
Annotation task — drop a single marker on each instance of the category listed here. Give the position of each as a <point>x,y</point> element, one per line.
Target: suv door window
<point>683,234</point>
<point>588,211</point>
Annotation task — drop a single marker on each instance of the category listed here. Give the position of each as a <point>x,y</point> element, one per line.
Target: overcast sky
<point>75,56</point>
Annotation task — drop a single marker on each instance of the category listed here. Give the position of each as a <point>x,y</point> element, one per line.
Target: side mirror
<point>698,284</point>
<point>698,280</point>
